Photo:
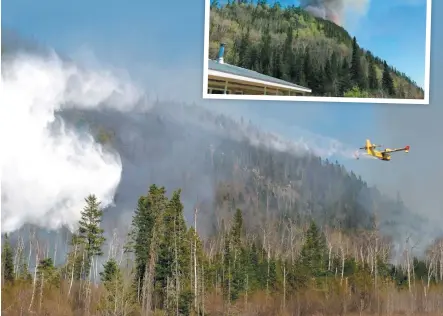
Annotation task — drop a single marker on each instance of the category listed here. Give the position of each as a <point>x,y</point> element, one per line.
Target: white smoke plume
<point>47,169</point>
<point>334,10</point>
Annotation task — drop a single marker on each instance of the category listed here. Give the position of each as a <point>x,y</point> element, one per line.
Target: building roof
<point>243,72</point>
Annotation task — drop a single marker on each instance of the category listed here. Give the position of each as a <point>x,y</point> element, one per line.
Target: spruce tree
<point>387,81</point>
<point>139,239</point>
<point>356,68</point>
<point>173,255</point>
<point>8,260</point>
<point>145,238</point>
<point>48,274</point>
<point>237,228</point>
<point>313,250</point>
<point>113,299</point>
<point>90,234</point>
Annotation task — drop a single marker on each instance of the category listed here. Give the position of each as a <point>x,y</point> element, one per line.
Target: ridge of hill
<point>291,44</point>
<point>221,158</point>
<point>224,164</point>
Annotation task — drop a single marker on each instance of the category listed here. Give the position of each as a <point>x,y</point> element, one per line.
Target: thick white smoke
<point>47,169</point>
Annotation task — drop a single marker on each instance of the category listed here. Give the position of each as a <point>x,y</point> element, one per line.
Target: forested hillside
<point>278,232</point>
<point>291,44</point>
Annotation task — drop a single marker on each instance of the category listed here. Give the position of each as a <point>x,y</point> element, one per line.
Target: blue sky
<point>161,44</point>
<point>395,30</point>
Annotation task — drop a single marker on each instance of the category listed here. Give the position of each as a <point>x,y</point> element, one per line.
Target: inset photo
<point>318,50</point>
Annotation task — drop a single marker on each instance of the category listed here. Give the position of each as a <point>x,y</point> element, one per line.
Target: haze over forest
<point>277,227</point>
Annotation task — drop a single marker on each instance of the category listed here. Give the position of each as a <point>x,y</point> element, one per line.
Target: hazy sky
<point>161,44</point>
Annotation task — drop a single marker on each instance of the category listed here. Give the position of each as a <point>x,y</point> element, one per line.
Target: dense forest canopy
<point>291,44</point>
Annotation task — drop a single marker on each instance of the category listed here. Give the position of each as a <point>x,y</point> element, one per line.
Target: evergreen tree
<point>288,55</point>
<point>227,269</point>
<point>313,250</point>
<point>277,64</point>
<point>145,238</point>
<point>243,54</point>
<point>297,70</point>
<point>328,79</point>
<point>356,68</point>
<point>110,271</point>
<point>214,4</point>
<point>345,81</point>
<point>308,69</point>
<point>90,234</point>
<point>47,274</point>
<point>116,299</point>
<point>173,255</point>
<point>140,236</point>
<point>237,228</point>
<point>387,81</point>
<point>265,53</point>
<point>7,260</point>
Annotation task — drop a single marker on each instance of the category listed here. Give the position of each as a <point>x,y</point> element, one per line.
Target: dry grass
<point>336,300</point>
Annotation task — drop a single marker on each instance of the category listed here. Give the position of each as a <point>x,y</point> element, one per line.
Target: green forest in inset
<point>290,44</point>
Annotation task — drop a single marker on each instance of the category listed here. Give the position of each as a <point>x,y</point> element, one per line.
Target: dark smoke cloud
<point>334,10</point>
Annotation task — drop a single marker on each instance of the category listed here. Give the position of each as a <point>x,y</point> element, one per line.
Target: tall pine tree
<point>356,68</point>
<point>90,235</point>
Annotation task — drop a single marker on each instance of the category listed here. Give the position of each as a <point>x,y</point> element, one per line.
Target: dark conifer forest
<point>276,233</point>
<point>290,44</point>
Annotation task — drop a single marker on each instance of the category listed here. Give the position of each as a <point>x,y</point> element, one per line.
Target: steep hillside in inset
<point>291,44</point>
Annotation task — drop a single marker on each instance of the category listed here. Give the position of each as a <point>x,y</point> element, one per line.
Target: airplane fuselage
<point>379,155</point>
<point>382,156</point>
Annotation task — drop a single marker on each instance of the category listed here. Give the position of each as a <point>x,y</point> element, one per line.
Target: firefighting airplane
<point>380,154</point>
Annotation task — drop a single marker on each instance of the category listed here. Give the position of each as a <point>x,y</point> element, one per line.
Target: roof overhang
<point>225,75</point>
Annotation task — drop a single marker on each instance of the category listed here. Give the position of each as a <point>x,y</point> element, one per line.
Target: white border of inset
<point>206,95</point>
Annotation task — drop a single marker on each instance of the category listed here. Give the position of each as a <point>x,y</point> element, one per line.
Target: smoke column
<point>334,10</point>
<point>47,169</point>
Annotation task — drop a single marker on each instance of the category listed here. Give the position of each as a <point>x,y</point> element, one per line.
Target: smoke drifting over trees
<point>334,10</point>
<point>276,228</point>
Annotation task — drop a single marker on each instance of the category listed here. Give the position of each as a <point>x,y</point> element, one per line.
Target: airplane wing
<point>370,147</point>
<point>406,149</point>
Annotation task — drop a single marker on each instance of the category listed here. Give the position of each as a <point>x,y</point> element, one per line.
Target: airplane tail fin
<point>368,146</point>
<point>407,149</point>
